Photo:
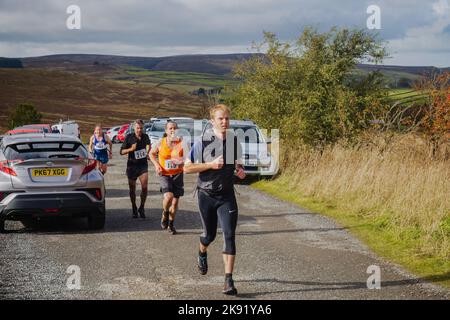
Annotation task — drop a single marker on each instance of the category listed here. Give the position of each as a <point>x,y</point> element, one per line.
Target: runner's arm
<point>239,167</point>
<point>190,167</point>
<point>153,152</point>
<point>193,162</point>
<point>109,142</point>
<point>90,144</point>
<point>126,149</point>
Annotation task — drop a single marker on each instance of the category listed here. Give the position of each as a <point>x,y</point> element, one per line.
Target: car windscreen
<point>45,150</point>
<point>38,128</point>
<point>250,133</point>
<point>158,127</point>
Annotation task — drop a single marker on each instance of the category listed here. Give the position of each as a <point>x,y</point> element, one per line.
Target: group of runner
<point>216,169</point>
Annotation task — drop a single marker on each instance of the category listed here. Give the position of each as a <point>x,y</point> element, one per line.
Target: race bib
<point>140,154</point>
<point>100,146</point>
<point>169,164</point>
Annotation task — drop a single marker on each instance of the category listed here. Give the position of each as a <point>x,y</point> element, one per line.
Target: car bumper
<point>75,204</point>
<point>260,171</point>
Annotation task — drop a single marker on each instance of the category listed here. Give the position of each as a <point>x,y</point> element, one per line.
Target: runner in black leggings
<point>216,200</point>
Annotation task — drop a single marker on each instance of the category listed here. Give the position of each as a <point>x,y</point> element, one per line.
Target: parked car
<point>130,128</point>
<point>122,132</point>
<point>20,130</point>
<point>70,128</point>
<point>188,127</point>
<point>46,128</point>
<point>49,176</point>
<point>112,134</point>
<point>256,156</point>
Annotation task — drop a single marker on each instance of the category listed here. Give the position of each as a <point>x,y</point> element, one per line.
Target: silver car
<point>257,157</point>
<point>49,175</point>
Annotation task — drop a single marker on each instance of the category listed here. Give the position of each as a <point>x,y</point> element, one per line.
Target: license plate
<point>49,172</point>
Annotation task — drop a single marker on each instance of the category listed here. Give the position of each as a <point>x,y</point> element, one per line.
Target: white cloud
<point>31,49</point>
<point>428,40</point>
<point>416,28</point>
<point>441,8</point>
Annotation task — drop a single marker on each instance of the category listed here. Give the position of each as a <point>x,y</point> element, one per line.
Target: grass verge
<point>402,246</point>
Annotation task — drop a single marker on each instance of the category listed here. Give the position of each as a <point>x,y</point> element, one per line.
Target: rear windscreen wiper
<point>64,156</point>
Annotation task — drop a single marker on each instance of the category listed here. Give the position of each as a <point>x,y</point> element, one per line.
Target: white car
<point>257,157</point>
<point>70,128</point>
<point>260,155</point>
<point>188,126</point>
<point>112,134</point>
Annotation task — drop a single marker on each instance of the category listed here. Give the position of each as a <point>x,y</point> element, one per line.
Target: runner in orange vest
<point>168,159</point>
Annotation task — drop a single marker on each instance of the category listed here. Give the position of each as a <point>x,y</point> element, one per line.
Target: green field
<point>406,96</point>
<point>179,81</point>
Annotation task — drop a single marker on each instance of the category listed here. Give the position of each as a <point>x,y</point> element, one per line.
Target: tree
<point>307,90</point>
<point>24,114</point>
<point>435,121</point>
<point>10,63</point>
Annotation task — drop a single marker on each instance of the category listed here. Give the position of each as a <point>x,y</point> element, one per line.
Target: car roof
<point>24,130</point>
<point>242,123</point>
<point>36,137</point>
<point>171,118</point>
<point>35,125</point>
<point>68,122</point>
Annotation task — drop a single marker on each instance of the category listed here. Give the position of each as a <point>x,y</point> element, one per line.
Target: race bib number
<point>140,154</point>
<point>100,146</point>
<point>170,165</point>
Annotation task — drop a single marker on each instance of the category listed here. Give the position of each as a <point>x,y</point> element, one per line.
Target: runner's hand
<point>133,147</point>
<point>217,163</point>
<point>158,170</point>
<point>240,173</point>
<point>177,161</point>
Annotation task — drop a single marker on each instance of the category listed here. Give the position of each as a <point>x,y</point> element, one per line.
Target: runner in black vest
<point>137,146</point>
<point>216,157</point>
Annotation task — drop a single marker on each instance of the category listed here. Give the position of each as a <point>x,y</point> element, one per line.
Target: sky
<point>417,31</point>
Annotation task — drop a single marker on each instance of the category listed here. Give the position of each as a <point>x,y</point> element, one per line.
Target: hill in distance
<point>220,64</point>
<point>87,99</point>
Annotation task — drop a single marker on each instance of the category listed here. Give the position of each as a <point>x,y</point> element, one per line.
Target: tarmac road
<point>284,252</point>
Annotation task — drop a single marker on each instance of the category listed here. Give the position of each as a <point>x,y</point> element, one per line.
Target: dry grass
<point>400,185</point>
<point>88,99</point>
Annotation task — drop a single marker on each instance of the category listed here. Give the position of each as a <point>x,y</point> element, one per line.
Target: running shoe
<point>202,264</point>
<point>135,212</point>
<point>172,229</point>
<point>229,288</point>
<point>142,212</point>
<point>165,220</point>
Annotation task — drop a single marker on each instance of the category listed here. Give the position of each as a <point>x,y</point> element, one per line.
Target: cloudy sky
<point>418,31</point>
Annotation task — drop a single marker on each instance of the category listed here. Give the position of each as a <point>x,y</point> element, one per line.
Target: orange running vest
<point>166,155</point>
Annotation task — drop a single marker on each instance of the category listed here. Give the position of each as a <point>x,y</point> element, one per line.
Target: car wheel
<point>2,226</point>
<point>96,221</point>
<point>30,223</point>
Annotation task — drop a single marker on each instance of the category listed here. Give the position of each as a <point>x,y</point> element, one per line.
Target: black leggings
<point>225,209</point>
